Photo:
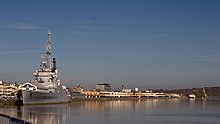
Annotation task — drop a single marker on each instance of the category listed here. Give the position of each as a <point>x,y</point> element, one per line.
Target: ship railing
<point>5,119</point>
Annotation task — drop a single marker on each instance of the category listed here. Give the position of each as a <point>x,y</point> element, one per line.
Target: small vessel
<point>46,86</point>
<point>192,96</point>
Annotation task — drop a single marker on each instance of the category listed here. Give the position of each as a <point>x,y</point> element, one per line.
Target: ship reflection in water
<point>44,114</point>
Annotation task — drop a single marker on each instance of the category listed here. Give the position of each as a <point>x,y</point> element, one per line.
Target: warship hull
<point>35,97</point>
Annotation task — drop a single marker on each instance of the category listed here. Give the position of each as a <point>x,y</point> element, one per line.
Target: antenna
<point>47,56</point>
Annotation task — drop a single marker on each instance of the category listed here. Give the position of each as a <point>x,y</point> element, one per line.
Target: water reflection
<point>44,114</point>
<point>123,111</point>
<point>141,111</point>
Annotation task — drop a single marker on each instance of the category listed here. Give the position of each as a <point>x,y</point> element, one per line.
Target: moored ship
<point>46,86</point>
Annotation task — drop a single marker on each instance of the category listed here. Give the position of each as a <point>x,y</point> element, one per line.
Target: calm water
<point>148,111</point>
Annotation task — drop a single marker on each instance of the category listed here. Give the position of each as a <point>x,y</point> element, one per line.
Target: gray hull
<point>34,97</point>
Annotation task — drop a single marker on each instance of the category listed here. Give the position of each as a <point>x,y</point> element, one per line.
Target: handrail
<point>5,119</point>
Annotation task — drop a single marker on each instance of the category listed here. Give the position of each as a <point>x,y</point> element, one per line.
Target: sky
<point>136,43</point>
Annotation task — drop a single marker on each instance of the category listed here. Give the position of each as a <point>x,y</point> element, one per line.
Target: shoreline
<point>13,102</point>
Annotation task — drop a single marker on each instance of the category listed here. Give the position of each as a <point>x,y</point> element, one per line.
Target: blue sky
<point>145,44</point>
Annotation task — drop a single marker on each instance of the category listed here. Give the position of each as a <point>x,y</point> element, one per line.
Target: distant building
<point>103,87</point>
<point>136,89</point>
<point>78,88</point>
<point>126,90</point>
<point>8,89</point>
<point>148,91</point>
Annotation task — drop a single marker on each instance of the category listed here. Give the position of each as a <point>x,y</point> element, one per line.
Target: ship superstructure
<point>46,86</point>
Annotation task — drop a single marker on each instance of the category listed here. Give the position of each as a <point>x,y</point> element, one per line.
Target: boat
<point>46,87</point>
<point>192,96</point>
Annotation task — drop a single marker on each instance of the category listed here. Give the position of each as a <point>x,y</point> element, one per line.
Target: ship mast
<point>47,58</point>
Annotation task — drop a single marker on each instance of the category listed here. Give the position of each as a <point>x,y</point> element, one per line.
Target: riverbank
<point>10,102</point>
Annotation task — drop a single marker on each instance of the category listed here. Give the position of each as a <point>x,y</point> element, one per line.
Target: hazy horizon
<point>146,44</point>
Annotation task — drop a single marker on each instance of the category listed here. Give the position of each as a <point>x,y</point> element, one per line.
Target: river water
<point>145,111</point>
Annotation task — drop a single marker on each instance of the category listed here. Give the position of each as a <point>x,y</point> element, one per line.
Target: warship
<point>46,87</point>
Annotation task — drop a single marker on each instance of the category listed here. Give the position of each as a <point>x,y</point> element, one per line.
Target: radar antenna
<point>47,56</point>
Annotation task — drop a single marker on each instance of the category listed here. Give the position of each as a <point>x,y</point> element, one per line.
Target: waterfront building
<point>7,89</point>
<point>126,90</point>
<point>103,87</point>
<point>136,89</point>
<point>114,94</point>
<point>78,88</point>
